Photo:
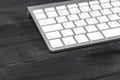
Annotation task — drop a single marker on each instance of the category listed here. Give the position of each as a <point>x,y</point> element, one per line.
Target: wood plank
<point>11,34</point>
<point>13,3</point>
<point>31,61</point>
<point>111,77</point>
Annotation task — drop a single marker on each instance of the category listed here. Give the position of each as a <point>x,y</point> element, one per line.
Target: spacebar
<point>111,32</point>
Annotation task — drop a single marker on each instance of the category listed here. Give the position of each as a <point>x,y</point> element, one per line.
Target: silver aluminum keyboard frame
<point>31,8</point>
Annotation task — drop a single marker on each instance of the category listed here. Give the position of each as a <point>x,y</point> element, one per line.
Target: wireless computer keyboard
<point>70,24</point>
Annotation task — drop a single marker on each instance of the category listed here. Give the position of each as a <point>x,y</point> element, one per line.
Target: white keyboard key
<point>95,36</point>
<point>106,5</point>
<point>115,10</point>
<point>114,0</point>
<point>85,9</point>
<point>95,13</point>
<point>52,14</point>
<point>84,15</point>
<point>56,43</point>
<point>114,24</point>
<point>80,23</point>
<point>60,7</point>
<point>96,7</point>
<point>106,11</point>
<point>111,32</point>
<point>40,16</point>
<point>47,21</point>
<point>74,10</point>
<point>52,27</point>
<point>81,38</point>
<point>49,9</point>
<point>63,12</point>
<point>102,19</point>
<point>94,2</point>
<point>102,26</point>
<point>73,17</point>
<point>104,1</point>
<point>69,40</point>
<point>68,25</point>
<point>91,28</point>
<point>53,35</point>
<point>114,17</point>
<point>38,11</point>
<point>91,21</point>
<point>79,30</point>
<point>72,5</point>
<point>67,32</point>
<point>61,19</point>
<point>83,4</point>
<point>116,3</point>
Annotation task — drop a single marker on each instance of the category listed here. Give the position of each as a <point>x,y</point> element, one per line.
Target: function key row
<point>114,3</point>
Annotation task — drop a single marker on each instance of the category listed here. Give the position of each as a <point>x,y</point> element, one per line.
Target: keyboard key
<point>106,5</point>
<point>93,2</point>
<point>91,28</point>
<point>56,43</point>
<point>84,15</point>
<point>40,16</point>
<point>91,21</point>
<point>72,5</point>
<point>61,19</point>
<point>53,35</point>
<point>96,7</point>
<point>102,26</point>
<point>114,17</point>
<point>60,7</point>
<point>79,30</point>
<point>67,32</point>
<point>115,10</point>
<point>95,36</point>
<point>85,9</point>
<point>52,14</point>
<point>38,11</point>
<point>114,24</point>
<point>47,21</point>
<point>80,23</point>
<point>103,19</point>
<point>106,11</point>
<point>111,32</point>
<point>81,38</point>
<point>114,0</point>
<point>73,17</point>
<point>68,25</point>
<point>83,4</point>
<point>63,12</point>
<point>95,13</point>
<point>49,9</point>
<point>74,10</point>
<point>52,27</point>
<point>116,3</point>
<point>104,1</point>
<point>69,40</point>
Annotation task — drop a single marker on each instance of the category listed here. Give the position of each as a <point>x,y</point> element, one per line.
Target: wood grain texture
<point>24,55</point>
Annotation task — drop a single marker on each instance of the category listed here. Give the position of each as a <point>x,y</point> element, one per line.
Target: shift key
<point>111,32</point>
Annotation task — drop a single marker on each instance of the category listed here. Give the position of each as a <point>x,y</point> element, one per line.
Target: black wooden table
<point>24,55</point>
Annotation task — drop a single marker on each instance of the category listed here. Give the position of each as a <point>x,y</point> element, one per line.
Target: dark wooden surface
<point>24,55</point>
